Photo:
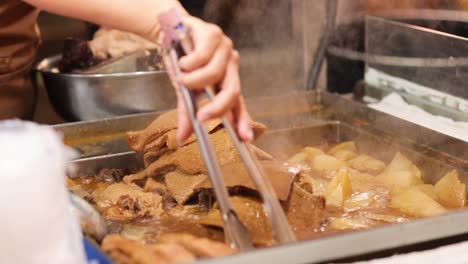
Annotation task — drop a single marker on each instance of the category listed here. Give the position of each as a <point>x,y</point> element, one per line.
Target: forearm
<point>139,17</point>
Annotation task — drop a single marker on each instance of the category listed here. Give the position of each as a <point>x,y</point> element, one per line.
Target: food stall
<point>356,180</point>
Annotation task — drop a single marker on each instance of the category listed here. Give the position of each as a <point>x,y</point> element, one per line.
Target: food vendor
<point>214,61</point>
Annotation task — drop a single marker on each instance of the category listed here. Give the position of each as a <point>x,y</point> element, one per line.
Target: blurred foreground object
<point>38,226</point>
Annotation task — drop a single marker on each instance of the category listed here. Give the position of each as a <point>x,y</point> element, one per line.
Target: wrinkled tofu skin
<point>305,212</point>
<point>137,140</point>
<point>120,201</point>
<point>250,213</point>
<point>280,176</point>
<point>171,248</point>
<point>188,160</point>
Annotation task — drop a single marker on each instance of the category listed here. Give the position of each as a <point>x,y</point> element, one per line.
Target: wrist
<point>153,31</point>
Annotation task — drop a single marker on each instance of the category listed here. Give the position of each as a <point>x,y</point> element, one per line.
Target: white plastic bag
<point>35,220</point>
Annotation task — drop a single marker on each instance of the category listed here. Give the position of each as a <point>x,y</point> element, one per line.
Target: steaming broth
<point>359,191</point>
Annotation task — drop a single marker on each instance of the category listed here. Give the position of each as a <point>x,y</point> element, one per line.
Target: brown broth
<point>353,216</point>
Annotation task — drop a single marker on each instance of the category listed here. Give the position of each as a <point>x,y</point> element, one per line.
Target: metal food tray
<point>313,119</point>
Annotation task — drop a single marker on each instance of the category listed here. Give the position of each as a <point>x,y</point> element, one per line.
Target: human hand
<point>213,61</point>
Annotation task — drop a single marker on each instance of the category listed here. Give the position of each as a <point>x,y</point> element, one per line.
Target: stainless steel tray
<point>311,119</point>
<point>107,136</point>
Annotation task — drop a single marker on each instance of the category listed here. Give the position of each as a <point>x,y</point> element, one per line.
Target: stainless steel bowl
<point>79,97</point>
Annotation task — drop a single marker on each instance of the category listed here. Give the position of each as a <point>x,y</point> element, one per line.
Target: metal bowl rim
<point>54,58</point>
<point>427,14</point>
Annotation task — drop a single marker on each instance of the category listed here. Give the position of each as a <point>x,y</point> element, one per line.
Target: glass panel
<point>427,67</point>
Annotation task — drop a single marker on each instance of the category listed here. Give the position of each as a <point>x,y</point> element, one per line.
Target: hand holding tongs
<point>177,43</point>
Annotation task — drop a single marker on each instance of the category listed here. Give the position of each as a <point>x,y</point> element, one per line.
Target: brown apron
<point>19,39</point>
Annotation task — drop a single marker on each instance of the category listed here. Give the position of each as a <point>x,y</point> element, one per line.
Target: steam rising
<point>276,40</point>
<point>269,40</point>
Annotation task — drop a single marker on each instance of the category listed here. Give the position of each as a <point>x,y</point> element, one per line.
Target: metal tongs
<point>177,42</point>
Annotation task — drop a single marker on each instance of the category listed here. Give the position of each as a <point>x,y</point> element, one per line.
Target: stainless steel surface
<point>348,52</point>
<point>283,142</point>
<point>320,53</point>
<point>398,61</point>
<point>101,137</point>
<point>96,96</point>
<point>125,64</point>
<point>334,248</point>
